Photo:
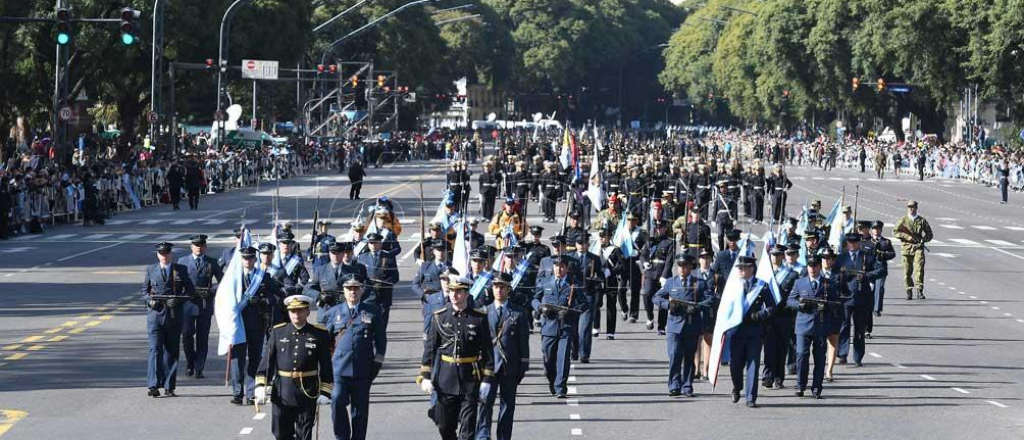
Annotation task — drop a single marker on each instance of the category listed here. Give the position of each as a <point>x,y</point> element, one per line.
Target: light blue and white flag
<point>733,306</point>
<point>230,298</point>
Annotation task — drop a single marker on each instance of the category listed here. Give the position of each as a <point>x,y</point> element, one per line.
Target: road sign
<point>152,117</point>
<point>65,113</point>
<point>900,88</point>
<point>259,69</point>
<point>219,116</point>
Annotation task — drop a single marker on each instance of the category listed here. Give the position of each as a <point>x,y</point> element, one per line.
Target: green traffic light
<point>63,39</point>
<point>127,39</point>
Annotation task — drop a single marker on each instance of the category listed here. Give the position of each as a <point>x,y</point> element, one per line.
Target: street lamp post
<point>221,61</point>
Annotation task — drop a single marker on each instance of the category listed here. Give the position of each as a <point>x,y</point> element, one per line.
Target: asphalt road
<point>73,346</point>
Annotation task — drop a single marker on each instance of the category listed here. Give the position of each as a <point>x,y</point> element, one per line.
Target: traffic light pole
<point>56,125</point>
<point>155,89</point>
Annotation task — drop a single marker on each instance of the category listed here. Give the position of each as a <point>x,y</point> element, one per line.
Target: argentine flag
<point>733,306</point>
<point>230,300</point>
<point>624,239</point>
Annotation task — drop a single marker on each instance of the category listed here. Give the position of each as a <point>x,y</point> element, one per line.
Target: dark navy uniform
<point>294,274</point>
<point>857,270</point>
<point>746,341</point>
<point>884,252</point>
<point>258,316</point>
<point>325,285</point>
<point>615,286</point>
<point>461,344</point>
<point>658,258</point>
<point>591,271</point>
<point>509,325</point>
<point>164,321</point>
<point>382,273</point>
<point>296,364</point>
<point>780,330</point>
<point>360,343</point>
<point>198,315</point>
<point>684,327</point>
<point>428,279</point>
<point>813,323</point>
<point>321,246</point>
<point>556,300</point>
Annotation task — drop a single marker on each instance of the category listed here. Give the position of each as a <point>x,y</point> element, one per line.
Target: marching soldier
<point>423,249</point>
<point>488,186</point>
<point>656,258</point>
<point>815,298</point>
<point>258,316</point>
<point>707,274</point>
<point>509,217</point>
<point>633,270</point>
<point>382,272</point>
<point>858,268</point>
<point>198,313</point>
<point>479,274</point>
<point>684,296</point>
<point>746,339</point>
<point>609,217</point>
<point>573,230</point>
<point>755,197</point>
<point>459,338</point>
<point>509,325</point>
<point>428,277</point>
<point>913,231</point>
<point>551,188</point>
<point>884,252</point>
<point>294,272</point>
<point>880,163</point>
<point>321,243</point>
<point>360,343</point>
<point>780,324</point>
<point>165,289</point>
<point>778,185</point>
<point>615,280</point>
<point>724,220</point>
<point>590,285</point>
<point>326,282</point>
<point>695,234</point>
<point>295,372</point>
<point>555,299</point>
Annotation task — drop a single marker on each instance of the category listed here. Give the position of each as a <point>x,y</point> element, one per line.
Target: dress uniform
<point>778,186</point>
<point>746,339</point>
<point>858,268</point>
<point>657,258</point>
<point>321,244</point>
<point>615,284</point>
<point>509,325</point>
<point>198,313</point>
<point>360,344</point>
<point>295,372</point>
<point>459,340</point>
<point>488,186</point>
<point>551,190</point>
<point>165,289</point>
<point>325,284</point>
<point>633,272</point>
<point>780,324</point>
<point>294,274</point>
<point>696,235</point>
<point>683,296</point>
<point>591,282</point>
<point>382,272</point>
<point>755,196</point>
<point>815,299</point>
<point>884,252</point>
<point>428,277</point>
<point>555,299</point>
<point>258,315</point>
<point>913,231</point>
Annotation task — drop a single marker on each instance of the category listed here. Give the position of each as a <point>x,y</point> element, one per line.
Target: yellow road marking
<point>36,347</point>
<point>87,316</point>
<point>105,317</point>
<point>69,324</point>
<point>57,338</point>
<point>76,330</point>
<point>8,417</point>
<point>16,356</point>
<point>54,330</point>
<point>100,309</point>
<point>93,323</point>
<point>12,347</point>
<point>33,338</point>
<point>122,309</point>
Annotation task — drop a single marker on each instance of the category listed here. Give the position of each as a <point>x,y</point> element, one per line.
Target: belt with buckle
<point>459,360</point>
<point>296,374</point>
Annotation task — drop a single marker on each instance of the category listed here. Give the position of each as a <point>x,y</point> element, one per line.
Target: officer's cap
<point>351,281</point>
<point>358,226</point>
<point>438,245</point>
<point>374,237</point>
<point>286,237</point>
<point>853,237</point>
<point>503,279</point>
<point>813,260</point>
<point>560,259</point>
<point>733,235</point>
<point>247,252</point>
<point>198,240</point>
<point>911,203</point>
<point>297,302</point>
<point>847,209</point>
<point>574,214</point>
<point>459,283</point>
<point>323,223</point>
<point>745,261</point>
<point>778,249</point>
<point>828,253</point>
<point>707,254</point>
<point>478,255</point>
<point>794,221</point>
<point>474,221</point>
<point>878,224</point>
<point>267,248</point>
<point>164,246</point>
<point>810,235</point>
<point>685,259</point>
<point>793,249</point>
<point>339,247</point>
<point>435,226</point>
<point>536,229</point>
<point>604,232</point>
<point>863,224</point>
<point>557,240</point>
<point>581,238</point>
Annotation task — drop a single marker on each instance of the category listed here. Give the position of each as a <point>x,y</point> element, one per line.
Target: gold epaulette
<point>281,325</point>
<point>320,327</point>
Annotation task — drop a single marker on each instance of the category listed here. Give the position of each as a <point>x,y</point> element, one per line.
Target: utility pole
<point>156,80</point>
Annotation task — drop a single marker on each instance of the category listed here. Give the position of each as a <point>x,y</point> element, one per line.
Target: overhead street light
<point>453,20</point>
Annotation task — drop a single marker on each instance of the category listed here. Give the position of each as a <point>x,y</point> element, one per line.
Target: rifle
<point>316,217</point>
<point>917,238</point>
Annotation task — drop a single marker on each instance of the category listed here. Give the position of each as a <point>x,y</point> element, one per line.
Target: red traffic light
<point>319,68</point>
<point>856,84</point>
<point>881,84</point>
<point>209,64</point>
<point>333,68</point>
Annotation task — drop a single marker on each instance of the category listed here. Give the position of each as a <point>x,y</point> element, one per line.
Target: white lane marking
<point>983,302</point>
<point>88,252</point>
<point>952,288</point>
<point>150,222</point>
<point>259,416</point>
<point>973,297</point>
<point>574,416</point>
<point>995,308</point>
<point>1008,253</point>
<point>952,226</point>
<point>1007,314</point>
<point>983,228</point>
<point>215,221</point>
<point>961,390</point>
<point>1000,405</point>
<point>169,237</point>
<point>942,284</point>
<point>183,222</point>
<point>817,178</point>
<point>1014,228</point>
<point>835,178</point>
<point>963,241</point>
<point>572,402</point>
<point>60,237</point>
<point>96,236</point>
<point>927,377</point>
<point>572,390</point>
<point>962,293</point>
<point>900,366</point>
<point>946,219</point>
<point>245,431</point>
<point>117,222</point>
<point>1000,242</point>
<point>875,355</point>
<point>133,236</point>
<point>1020,320</point>
<point>577,431</point>
<point>572,378</point>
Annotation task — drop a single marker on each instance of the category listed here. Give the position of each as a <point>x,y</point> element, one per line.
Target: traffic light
<point>355,80</point>
<point>856,84</point>
<point>333,68</point>
<point>129,26</point>
<point>785,94</point>
<point>881,85</point>
<point>209,65</point>
<point>319,69</point>
<point>387,89</point>
<point>63,27</point>
<point>380,80</point>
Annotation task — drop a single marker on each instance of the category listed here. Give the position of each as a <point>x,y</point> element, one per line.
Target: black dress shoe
<point>551,388</point>
<point>688,394</point>
<point>779,385</point>
<point>735,396</point>
<point>842,361</point>
<point>767,383</point>
<point>632,320</point>
<point>199,375</point>
<point>189,372</point>
<point>868,335</point>
<point>237,400</point>
<point>830,379</point>
<point>799,393</point>
<point>585,360</point>
<point>877,313</point>
<point>561,395</point>
<point>575,358</point>
<point>751,405</point>
<point>920,295</point>
<point>674,393</point>
<point>169,393</point>
<point>816,394</point>
<point>153,392</point>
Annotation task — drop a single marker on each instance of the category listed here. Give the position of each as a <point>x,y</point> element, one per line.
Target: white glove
<point>485,389</point>
<point>662,280</point>
<point>323,400</point>
<point>647,266</point>
<point>261,395</point>
<point>607,273</point>
<point>427,386</point>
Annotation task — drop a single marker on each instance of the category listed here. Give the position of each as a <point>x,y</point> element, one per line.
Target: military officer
<point>480,275</point>
<point>815,299</point>
<point>258,312</point>
<point>615,284</point>
<point>913,231</point>
<point>633,270</point>
<point>858,268</point>
<point>325,284</point>
<point>551,190</point>
<point>780,324</point>
<point>707,274</point>
<point>293,268</point>
<point>683,296</point>
<point>509,325</point>
<point>360,343</point>
<point>295,372</point>
<point>488,186</point>
<point>165,289</point>
<point>884,252</point>
<point>555,299</point>
<point>591,283</point>
<point>695,234</point>
<point>746,339</point>
<point>778,187</point>
<point>656,257</point>
<point>725,258</point>
<point>198,313</point>
<point>321,243</point>
<point>428,277</point>
<point>382,271</point>
<point>459,339</point>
